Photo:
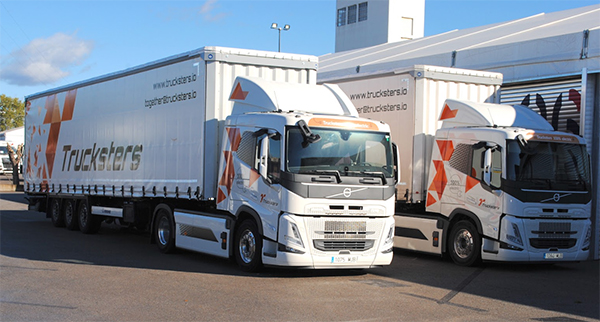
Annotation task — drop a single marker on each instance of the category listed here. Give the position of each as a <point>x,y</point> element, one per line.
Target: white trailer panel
<point>152,130</point>
<point>411,101</point>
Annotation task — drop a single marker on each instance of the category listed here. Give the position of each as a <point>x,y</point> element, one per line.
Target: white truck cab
<point>320,179</point>
<point>505,186</point>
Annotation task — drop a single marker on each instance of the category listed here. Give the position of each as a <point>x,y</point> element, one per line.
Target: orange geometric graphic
<point>220,195</point>
<point>439,181</point>
<point>430,199</point>
<point>238,93</point>
<point>54,118</point>
<point>254,175</point>
<point>446,149</point>
<point>234,138</point>
<point>229,173</point>
<point>471,182</point>
<point>447,113</point>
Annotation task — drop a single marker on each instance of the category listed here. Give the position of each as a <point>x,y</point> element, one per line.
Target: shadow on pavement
<point>570,288</point>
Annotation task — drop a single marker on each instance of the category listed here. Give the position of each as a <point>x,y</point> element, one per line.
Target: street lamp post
<point>285,28</point>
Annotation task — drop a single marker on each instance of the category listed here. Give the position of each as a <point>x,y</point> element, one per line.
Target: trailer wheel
<point>88,223</point>
<point>248,246</point>
<point>56,215</point>
<point>164,232</point>
<point>70,215</point>
<point>465,244</point>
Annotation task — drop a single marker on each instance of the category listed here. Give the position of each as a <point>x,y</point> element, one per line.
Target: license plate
<point>553,255</point>
<point>344,259</point>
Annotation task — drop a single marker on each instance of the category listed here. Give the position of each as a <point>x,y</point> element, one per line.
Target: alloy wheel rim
<point>247,246</point>
<point>463,243</point>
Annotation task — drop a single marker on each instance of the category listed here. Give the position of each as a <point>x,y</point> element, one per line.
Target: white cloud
<point>45,60</point>
<point>207,11</point>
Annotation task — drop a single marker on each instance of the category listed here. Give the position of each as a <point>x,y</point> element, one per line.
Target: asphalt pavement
<point>53,274</point>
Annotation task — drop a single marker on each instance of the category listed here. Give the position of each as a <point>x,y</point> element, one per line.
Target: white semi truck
<point>479,181</point>
<point>210,154</point>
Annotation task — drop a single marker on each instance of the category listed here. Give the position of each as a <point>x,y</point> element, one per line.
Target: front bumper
<point>540,240</point>
<point>332,242</point>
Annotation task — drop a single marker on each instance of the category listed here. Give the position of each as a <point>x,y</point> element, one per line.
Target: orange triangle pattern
<point>234,138</point>
<point>430,199</point>
<point>229,173</point>
<point>471,182</point>
<point>439,181</point>
<point>238,93</point>
<point>446,149</point>
<point>220,196</point>
<point>254,175</point>
<point>447,113</point>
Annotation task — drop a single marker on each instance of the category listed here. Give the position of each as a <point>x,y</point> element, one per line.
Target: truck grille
<point>334,245</point>
<point>543,243</point>
<point>553,235</point>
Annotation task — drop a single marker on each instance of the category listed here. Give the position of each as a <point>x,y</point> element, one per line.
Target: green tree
<point>12,113</point>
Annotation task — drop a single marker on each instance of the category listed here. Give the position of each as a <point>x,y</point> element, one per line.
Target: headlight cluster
<point>292,239</point>
<point>516,235</point>
<point>388,245</point>
<point>588,238</point>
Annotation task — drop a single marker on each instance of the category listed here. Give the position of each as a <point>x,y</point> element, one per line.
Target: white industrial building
<point>361,23</point>
<point>550,62</point>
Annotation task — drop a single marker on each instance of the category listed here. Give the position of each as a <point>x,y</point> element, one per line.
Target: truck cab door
<point>267,189</point>
<point>485,199</point>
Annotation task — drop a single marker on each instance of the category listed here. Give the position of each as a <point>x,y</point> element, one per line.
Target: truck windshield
<point>350,153</point>
<point>548,165</point>
<point>3,150</point>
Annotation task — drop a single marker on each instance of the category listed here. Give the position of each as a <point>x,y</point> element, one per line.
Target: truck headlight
<point>388,244</point>
<point>292,240</point>
<point>516,235</point>
<point>389,239</point>
<point>587,240</point>
<point>293,235</point>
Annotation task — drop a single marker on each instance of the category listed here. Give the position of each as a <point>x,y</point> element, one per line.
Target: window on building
<point>341,17</point>
<point>406,28</point>
<point>352,14</point>
<point>362,11</point>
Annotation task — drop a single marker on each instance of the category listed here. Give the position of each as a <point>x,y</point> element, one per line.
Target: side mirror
<point>487,166</point>
<point>263,157</point>
<point>396,162</point>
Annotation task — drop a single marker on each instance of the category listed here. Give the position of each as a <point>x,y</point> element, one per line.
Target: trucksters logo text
<point>98,157</point>
<point>113,158</point>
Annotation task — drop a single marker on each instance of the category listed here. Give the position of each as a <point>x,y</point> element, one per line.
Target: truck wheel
<point>465,244</point>
<point>56,215</point>
<point>88,223</point>
<point>248,246</point>
<point>70,215</point>
<point>164,231</point>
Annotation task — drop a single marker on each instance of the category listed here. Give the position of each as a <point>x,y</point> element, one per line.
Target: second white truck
<point>228,152</point>
<point>479,181</point>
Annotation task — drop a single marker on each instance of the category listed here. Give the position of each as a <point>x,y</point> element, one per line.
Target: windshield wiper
<point>376,174</point>
<point>335,173</point>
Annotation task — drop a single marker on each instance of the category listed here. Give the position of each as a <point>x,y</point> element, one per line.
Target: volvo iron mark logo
<point>347,192</point>
<point>556,197</point>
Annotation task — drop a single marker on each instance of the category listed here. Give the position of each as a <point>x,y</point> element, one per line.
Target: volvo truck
<point>229,152</point>
<point>479,180</point>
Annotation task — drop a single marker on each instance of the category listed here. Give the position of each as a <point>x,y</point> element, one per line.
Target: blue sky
<point>46,44</point>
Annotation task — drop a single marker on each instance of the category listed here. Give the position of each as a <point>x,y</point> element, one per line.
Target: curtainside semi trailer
<point>229,152</point>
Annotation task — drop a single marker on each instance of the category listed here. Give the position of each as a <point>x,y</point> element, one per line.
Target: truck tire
<point>248,246</point>
<point>88,223</point>
<point>56,215</point>
<point>70,214</point>
<point>164,231</point>
<point>465,244</point>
